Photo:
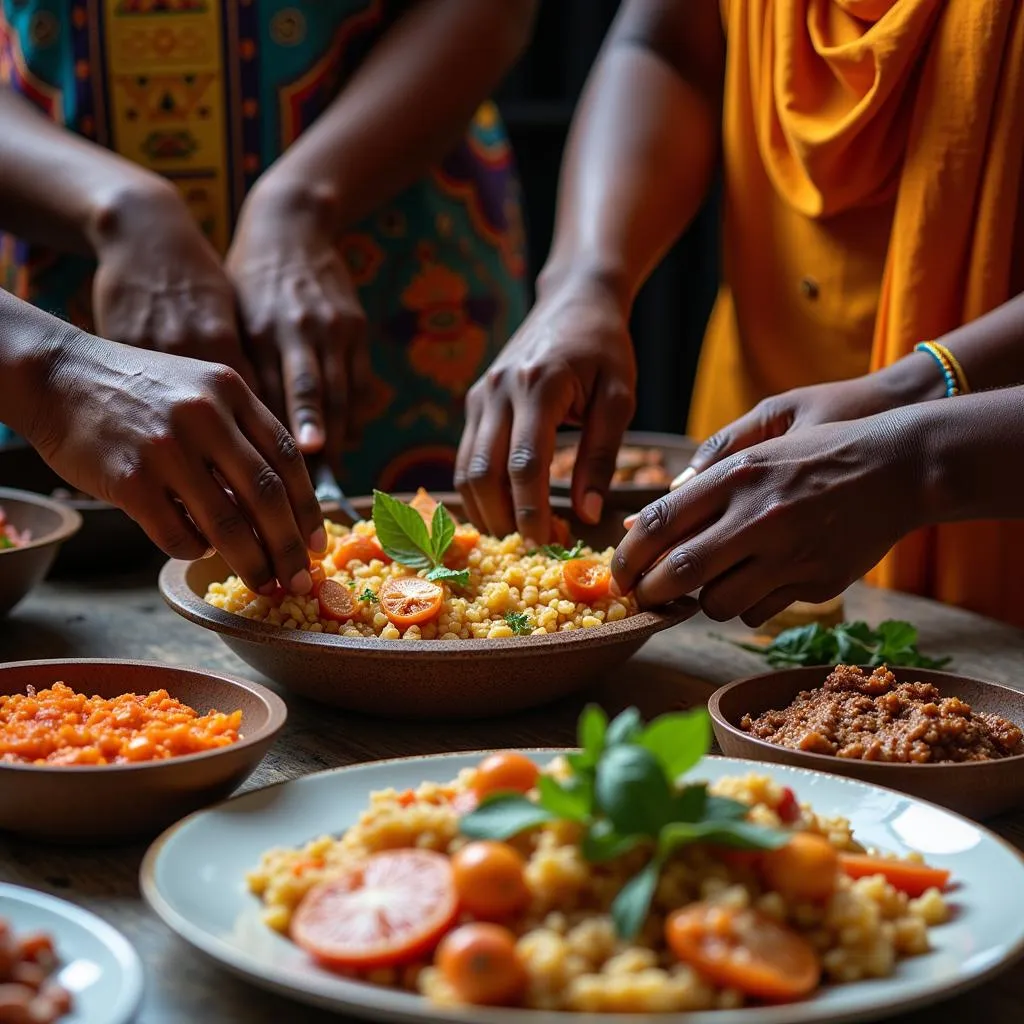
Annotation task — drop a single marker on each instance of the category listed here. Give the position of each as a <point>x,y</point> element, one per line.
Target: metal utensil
<point>328,492</point>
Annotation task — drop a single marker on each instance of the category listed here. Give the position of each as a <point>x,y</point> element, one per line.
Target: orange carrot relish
<point>60,726</point>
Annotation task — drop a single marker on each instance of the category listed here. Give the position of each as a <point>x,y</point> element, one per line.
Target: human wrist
<point>912,379</point>
<point>595,279</point>
<point>130,206</point>
<point>300,200</point>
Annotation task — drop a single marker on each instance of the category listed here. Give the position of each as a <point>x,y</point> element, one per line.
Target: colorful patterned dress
<point>209,93</point>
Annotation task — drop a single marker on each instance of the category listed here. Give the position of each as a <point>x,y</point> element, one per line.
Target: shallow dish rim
<point>70,524</point>
<point>631,439</point>
<point>277,716</point>
<point>175,590</point>
<point>719,719</point>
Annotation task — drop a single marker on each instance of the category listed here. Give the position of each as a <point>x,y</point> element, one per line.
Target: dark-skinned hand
<point>796,518</point>
<point>571,362</point>
<point>159,285</point>
<point>305,327</point>
<point>187,451</point>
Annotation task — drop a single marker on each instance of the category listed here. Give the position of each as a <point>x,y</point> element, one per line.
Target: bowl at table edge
<point>113,803</point>
<point>976,789</point>
<point>676,450</point>
<point>421,679</point>
<point>50,524</point>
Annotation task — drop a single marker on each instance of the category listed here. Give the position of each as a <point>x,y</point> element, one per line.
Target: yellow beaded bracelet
<point>952,371</point>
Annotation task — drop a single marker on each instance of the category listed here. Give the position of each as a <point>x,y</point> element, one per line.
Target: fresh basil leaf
<point>556,551</point>
<point>579,763</point>
<point>690,803</point>
<point>503,817</point>
<point>893,634</point>
<point>852,650</point>
<point>442,530</point>
<point>678,740</point>
<point>441,573</point>
<point>623,728</point>
<point>721,808</point>
<point>602,843</point>
<point>572,800</point>
<point>631,789</point>
<point>630,907</point>
<point>401,532</point>
<point>593,726</point>
<point>741,835</point>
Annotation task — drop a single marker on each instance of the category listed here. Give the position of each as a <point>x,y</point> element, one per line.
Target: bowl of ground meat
<point>947,738</point>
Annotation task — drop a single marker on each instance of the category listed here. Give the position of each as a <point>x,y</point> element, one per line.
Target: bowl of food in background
<point>646,465</point>
<point>139,746</point>
<point>499,627</point>
<point>946,738</point>
<point>108,541</point>
<point>32,530</point>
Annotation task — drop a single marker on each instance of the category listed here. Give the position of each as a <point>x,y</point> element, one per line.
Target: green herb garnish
<point>626,790</point>
<point>369,596</point>
<point>405,539</point>
<point>850,643</point>
<point>519,623</point>
<point>5,542</point>
<point>560,553</point>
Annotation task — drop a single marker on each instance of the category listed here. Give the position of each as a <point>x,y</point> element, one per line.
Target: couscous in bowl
<point>467,668</point>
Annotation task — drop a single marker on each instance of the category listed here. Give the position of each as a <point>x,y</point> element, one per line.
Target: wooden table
<point>125,618</point>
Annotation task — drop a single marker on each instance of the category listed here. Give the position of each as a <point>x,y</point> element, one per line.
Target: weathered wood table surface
<point>125,618</point>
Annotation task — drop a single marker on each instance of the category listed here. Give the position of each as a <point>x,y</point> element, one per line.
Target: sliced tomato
<point>357,547</point>
<point>788,808</point>
<point>744,950</point>
<point>466,538</point>
<point>913,879</point>
<point>336,601</point>
<point>586,579</point>
<point>393,910</point>
<point>410,600</point>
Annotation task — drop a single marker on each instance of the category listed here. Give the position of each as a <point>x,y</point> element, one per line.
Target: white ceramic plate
<point>97,965</point>
<point>193,877</point>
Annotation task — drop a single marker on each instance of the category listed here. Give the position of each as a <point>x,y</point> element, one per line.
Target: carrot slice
<point>586,579</point>
<point>357,547</point>
<point>466,538</point>
<point>425,503</point>
<point>410,600</point>
<point>336,601</point>
<point>913,879</point>
<point>744,950</point>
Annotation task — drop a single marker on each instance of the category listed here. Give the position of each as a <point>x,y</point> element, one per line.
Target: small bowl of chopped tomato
<point>95,751</point>
<point>32,530</point>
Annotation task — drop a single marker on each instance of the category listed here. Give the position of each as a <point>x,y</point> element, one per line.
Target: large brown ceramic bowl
<point>112,803</point>
<point>49,524</point>
<point>676,452</point>
<point>977,789</point>
<point>432,678</point>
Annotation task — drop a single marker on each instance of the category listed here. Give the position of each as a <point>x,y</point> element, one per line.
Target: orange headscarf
<point>875,148</point>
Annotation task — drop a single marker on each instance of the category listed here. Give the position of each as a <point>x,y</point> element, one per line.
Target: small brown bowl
<point>976,789</point>
<point>113,803</point>
<point>49,524</point>
<point>427,679</point>
<point>676,449</point>
<point>109,540</point>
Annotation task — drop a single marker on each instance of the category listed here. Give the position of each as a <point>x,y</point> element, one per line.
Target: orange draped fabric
<point>873,154</point>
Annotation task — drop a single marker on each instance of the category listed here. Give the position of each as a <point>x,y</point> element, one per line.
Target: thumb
<point>766,420</point>
<point>607,418</point>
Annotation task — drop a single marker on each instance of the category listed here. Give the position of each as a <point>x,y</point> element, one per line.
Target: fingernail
<point>687,474</point>
<point>614,589</point>
<point>268,588</point>
<point>593,505</point>
<point>309,436</point>
<point>301,583</point>
<point>318,542</point>
<point>629,521</point>
<point>210,552</point>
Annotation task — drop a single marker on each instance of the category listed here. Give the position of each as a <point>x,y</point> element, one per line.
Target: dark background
<point>537,102</point>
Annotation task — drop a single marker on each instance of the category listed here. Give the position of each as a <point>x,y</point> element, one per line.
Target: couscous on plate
<point>426,577</point>
<point>601,883</point>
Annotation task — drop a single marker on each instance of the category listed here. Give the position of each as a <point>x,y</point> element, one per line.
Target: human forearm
<point>643,146</point>
<point>404,109</point>
<point>59,189</point>
<point>970,450</point>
